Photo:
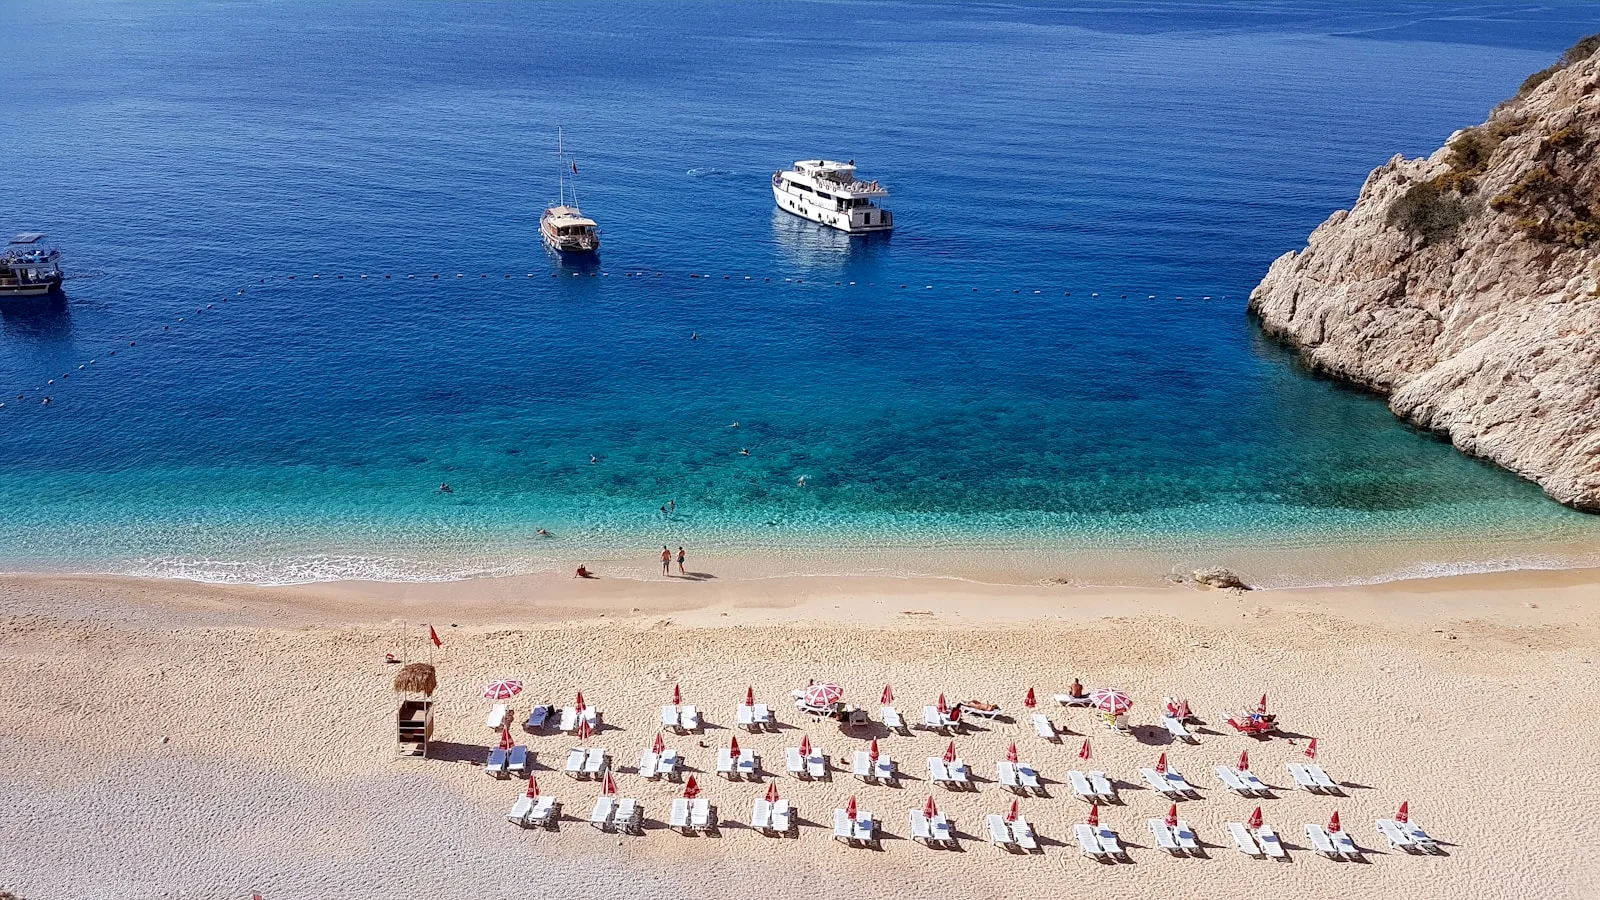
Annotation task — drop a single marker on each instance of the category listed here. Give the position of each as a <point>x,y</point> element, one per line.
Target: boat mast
<point>561,171</point>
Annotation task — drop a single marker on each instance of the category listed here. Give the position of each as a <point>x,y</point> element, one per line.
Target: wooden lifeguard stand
<point>414,720</point>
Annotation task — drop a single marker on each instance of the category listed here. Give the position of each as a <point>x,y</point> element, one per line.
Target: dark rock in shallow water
<point>1218,577</point>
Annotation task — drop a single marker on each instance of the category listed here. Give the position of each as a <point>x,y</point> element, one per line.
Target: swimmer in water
<point>593,460</point>
<point>801,481</point>
<point>744,451</point>
<point>735,424</point>
<point>694,336</point>
<point>542,533</point>
<point>444,488</point>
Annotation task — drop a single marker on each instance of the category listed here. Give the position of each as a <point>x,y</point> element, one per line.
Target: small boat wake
<point>710,172</point>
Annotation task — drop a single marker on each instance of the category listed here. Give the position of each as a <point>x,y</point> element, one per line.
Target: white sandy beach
<point>166,739</point>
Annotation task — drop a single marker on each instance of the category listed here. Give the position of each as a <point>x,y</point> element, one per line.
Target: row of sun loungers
<point>1093,787</point>
<point>570,718</point>
<point>1016,835</point>
<point>892,720</point>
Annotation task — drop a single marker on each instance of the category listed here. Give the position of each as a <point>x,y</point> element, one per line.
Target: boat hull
<point>797,204</point>
<point>573,245</point>
<point>30,290</point>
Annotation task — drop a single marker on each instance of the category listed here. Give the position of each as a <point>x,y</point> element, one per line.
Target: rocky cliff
<point>1466,286</point>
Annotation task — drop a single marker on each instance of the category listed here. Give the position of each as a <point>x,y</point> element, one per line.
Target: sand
<point>169,739</point>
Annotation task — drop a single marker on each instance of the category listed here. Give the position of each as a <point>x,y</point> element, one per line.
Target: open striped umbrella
<point>1111,701</point>
<point>825,694</point>
<point>504,689</point>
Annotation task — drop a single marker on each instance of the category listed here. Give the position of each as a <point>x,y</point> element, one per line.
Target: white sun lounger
<point>745,717</point>
<point>1029,778</point>
<point>944,833</point>
<point>817,765</point>
<point>1176,779</point>
<point>536,718</point>
<point>667,766</point>
<point>545,811</point>
<point>669,719</point>
<point>999,834</point>
<point>517,761</point>
<point>1321,841</point>
<point>933,721</point>
<point>725,763</point>
<point>496,766</point>
<point>861,766</point>
<point>1229,777</point>
<point>990,714</point>
<point>884,771</point>
<point>782,817</point>
<point>690,718</point>
<point>842,827</point>
<point>520,810</point>
<point>1346,845</point>
<point>1187,839</point>
<point>866,828</point>
<point>595,762</point>
<point>1022,833</point>
<point>1178,731</point>
<point>601,816</point>
<point>1159,783</point>
<point>1103,787</point>
<point>1397,839</point>
<point>937,773</point>
<point>628,816</point>
<point>1270,844</point>
<point>793,763</point>
<point>700,815</point>
<point>1328,785</point>
<point>960,775</point>
<point>569,718</point>
<point>1244,840</point>
<point>649,765</point>
<point>1088,841</point>
<point>892,720</point>
<point>1421,838</point>
<point>761,815</point>
<point>575,760</point>
<point>496,719</point>
<point>1069,700</point>
<point>920,830</point>
<point>1081,786</point>
<point>1302,778</point>
<point>1043,727</point>
<point>1109,843</point>
<point>679,816</point>
<point>1006,773</point>
<point>746,765</point>
<point>1253,783</point>
<point>1164,837</point>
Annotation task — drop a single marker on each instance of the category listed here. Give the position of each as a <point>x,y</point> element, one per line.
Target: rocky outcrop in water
<point>1466,286</point>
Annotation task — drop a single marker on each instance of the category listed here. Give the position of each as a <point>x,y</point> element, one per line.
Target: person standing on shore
<point>680,562</point>
<point>666,560</point>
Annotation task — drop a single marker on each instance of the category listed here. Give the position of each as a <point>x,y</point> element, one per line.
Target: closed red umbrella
<point>1083,752</point>
<point>1161,764</point>
<point>850,808</point>
<point>691,788</point>
<point>930,809</point>
<point>585,730</point>
<point>1094,815</point>
<point>660,745</point>
<point>749,696</point>
<point>608,788</point>
<point>772,792</point>
<point>888,695</point>
<point>872,750</point>
<point>1311,749</point>
<point>805,745</point>
<point>1172,816</point>
<point>1031,700</point>
<point>1255,818</point>
<point>1404,815</point>
<point>943,706</point>
<point>533,786</point>
<point>504,689</point>
<point>1011,752</point>
<point>733,746</point>
<point>1333,822</point>
<point>1015,811</point>
<point>950,753</point>
<point>1244,761</point>
<point>506,743</point>
<point>579,705</point>
<point>677,696</point>
<point>1261,707</point>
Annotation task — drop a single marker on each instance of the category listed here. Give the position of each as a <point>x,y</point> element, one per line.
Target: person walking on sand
<point>666,560</point>
<point>680,562</point>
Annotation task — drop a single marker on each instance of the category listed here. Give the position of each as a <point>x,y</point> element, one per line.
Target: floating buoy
<point>341,277</point>
<point>388,276</point>
<point>316,276</point>
<point>130,343</point>
<point>363,276</point>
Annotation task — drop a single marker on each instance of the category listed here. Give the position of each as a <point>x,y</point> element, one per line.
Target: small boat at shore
<point>564,227</point>
<point>29,268</point>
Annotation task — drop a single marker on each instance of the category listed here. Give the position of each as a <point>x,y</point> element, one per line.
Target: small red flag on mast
<point>434,636</point>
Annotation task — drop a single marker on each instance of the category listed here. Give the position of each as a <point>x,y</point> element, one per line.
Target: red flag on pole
<point>691,788</point>
<point>1161,764</point>
<point>434,636</point>
<point>1172,816</point>
<point>1244,760</point>
<point>1015,811</point>
<point>1094,815</point>
<point>1255,818</point>
<point>950,753</point>
<point>1011,752</point>
<point>1333,822</point>
<point>1311,749</point>
<point>1083,752</point>
<point>574,167</point>
<point>888,695</point>
<point>772,792</point>
<point>1031,700</point>
<point>1404,815</point>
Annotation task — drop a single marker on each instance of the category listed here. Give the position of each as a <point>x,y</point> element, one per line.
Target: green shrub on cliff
<point>1578,52</point>
<point>1429,212</point>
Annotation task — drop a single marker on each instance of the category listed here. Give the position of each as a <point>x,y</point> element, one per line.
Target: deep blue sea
<point>1047,363</point>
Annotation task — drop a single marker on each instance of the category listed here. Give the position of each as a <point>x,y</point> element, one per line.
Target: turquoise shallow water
<point>1009,382</point>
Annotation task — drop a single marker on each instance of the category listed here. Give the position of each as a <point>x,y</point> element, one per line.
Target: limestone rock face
<point>1488,330</point>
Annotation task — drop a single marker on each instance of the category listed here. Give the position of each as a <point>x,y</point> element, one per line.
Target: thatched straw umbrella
<point>417,678</point>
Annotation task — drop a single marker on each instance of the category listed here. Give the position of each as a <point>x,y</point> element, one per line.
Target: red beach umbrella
<point>1083,752</point>
<point>888,695</point>
<point>930,809</point>
<point>1094,815</point>
<point>1244,761</point>
<point>1161,764</point>
<point>506,743</point>
<point>579,705</point>
<point>825,694</point>
<point>585,730</point>
<point>677,696</point>
<point>772,792</point>
<point>805,745</point>
<point>749,696</point>
<point>943,706</point>
<point>1311,749</point>
<point>659,746</point>
<point>1011,752</point>
<point>1031,700</point>
<point>850,808</point>
<point>1015,811</point>
<point>733,746</point>
<point>1255,818</point>
<point>691,788</point>
<point>1404,815</point>
<point>1172,816</point>
<point>504,689</point>
<point>1333,822</point>
<point>950,753</point>
<point>1261,707</point>
<point>533,786</point>
<point>1111,701</point>
<point>608,788</point>
<point>872,750</point>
